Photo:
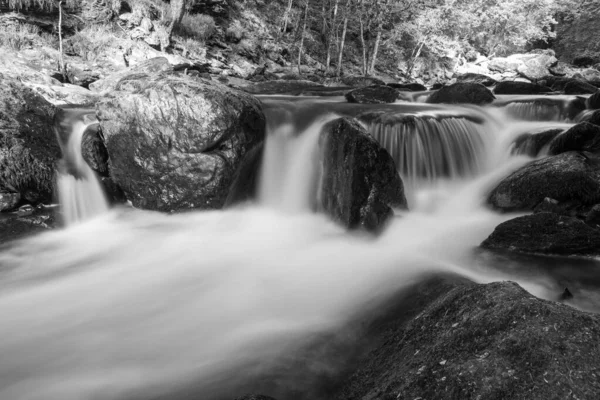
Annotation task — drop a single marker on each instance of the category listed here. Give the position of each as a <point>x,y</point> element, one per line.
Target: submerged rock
<point>532,144</point>
<point>581,137</point>
<point>545,233</point>
<point>360,183</point>
<point>465,93</point>
<point>493,341</point>
<point>567,176</point>
<point>515,87</point>
<point>373,95</point>
<point>176,143</point>
<point>29,150</point>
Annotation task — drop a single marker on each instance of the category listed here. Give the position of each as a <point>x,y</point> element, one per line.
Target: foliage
<point>92,41</point>
<point>18,36</point>
<point>40,4</point>
<point>197,26</point>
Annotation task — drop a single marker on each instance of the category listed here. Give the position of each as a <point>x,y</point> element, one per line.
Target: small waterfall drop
<point>535,111</point>
<point>80,194</point>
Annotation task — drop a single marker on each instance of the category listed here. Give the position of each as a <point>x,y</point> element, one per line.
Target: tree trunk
<point>375,50</point>
<point>302,37</point>
<point>343,38</point>
<point>177,11</point>
<point>362,36</point>
<point>286,17</point>
<point>330,36</point>
<point>63,68</point>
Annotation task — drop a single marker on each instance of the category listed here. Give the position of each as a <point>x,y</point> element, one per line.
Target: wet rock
<point>413,87</point>
<point>146,68</point>
<point>564,177</point>
<point>579,87</point>
<point>569,208</point>
<point>372,95</point>
<point>281,87</point>
<point>21,224</point>
<point>581,137</point>
<point>545,233</point>
<point>593,102</point>
<point>584,61</point>
<point>515,87</point>
<point>255,397</point>
<point>465,93</point>
<point>477,78</point>
<point>176,143</point>
<point>246,182</point>
<point>531,144</point>
<point>8,201</point>
<point>537,67</point>
<point>361,81</point>
<point>94,151</point>
<point>28,147</point>
<point>560,69</point>
<point>594,118</point>
<point>360,182</point>
<point>493,341</point>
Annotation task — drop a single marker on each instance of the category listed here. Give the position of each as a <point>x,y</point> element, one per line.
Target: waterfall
<point>535,111</point>
<point>79,192</point>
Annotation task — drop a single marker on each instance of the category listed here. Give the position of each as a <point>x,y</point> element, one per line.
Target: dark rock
<point>515,87</point>
<point>569,208</point>
<point>82,78</point>
<point>176,143</point>
<point>559,69</point>
<point>21,224</point>
<point>545,233</point>
<point>146,69</point>
<point>246,181</point>
<point>575,107</point>
<point>584,61</point>
<point>594,118</point>
<point>255,397</point>
<point>94,151</point>
<point>566,295</point>
<point>593,216</point>
<point>593,102</point>
<point>493,341</point>
<point>281,87</point>
<point>579,87</point>
<point>360,182</point>
<point>114,194</point>
<point>581,137</point>
<point>373,95</point>
<point>531,144</point>
<point>413,87</point>
<point>567,176</point>
<point>361,81</point>
<point>437,86</point>
<point>477,78</point>
<point>29,150</point>
<point>470,93</point>
<point>8,201</point>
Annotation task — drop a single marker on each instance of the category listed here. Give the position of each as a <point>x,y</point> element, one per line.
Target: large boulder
<point>360,183</point>
<point>537,67</point>
<point>477,78</point>
<point>545,233</point>
<point>575,86</point>
<point>94,151</point>
<point>29,150</point>
<point>373,95</point>
<point>567,176</point>
<point>532,144</point>
<point>581,137</point>
<point>176,143</point>
<point>593,102</point>
<point>504,64</point>
<point>413,87</point>
<point>493,341</point>
<point>465,92</point>
<point>591,75</point>
<point>149,67</point>
<point>515,87</point>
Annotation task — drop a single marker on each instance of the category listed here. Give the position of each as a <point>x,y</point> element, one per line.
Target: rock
<point>413,87</point>
<point>594,118</point>
<point>147,68</point>
<point>281,87</point>
<point>545,233</point>
<point>567,176</point>
<point>537,68</point>
<point>470,93</point>
<point>503,64</point>
<point>581,137</point>
<point>372,95</point>
<point>8,201</point>
<point>512,87</point>
<point>532,144</point>
<point>560,69</point>
<point>593,216</point>
<point>26,222</point>
<point>593,102</point>
<point>81,77</point>
<point>360,182</point>
<point>246,182</point>
<point>493,341</point>
<point>361,81</point>
<point>579,87</point>
<point>566,295</point>
<point>255,397</point>
<point>570,208</point>
<point>591,75</point>
<point>94,151</point>
<point>584,61</point>
<point>28,147</point>
<point>176,143</point>
<point>477,78</point>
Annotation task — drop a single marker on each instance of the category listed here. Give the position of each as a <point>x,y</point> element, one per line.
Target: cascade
<point>80,193</point>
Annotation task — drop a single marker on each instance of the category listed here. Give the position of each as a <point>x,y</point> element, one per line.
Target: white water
<point>80,195</point>
<point>140,303</point>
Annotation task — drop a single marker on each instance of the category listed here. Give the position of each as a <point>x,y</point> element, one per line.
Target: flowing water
<point>142,305</point>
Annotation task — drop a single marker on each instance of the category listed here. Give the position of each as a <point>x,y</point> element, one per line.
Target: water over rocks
<point>533,143</point>
<point>360,183</point>
<point>174,142</point>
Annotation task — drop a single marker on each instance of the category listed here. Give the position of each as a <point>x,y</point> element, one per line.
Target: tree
<point>301,46</point>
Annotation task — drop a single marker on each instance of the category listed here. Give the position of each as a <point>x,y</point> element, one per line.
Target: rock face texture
<point>567,176</point>
<point>581,137</point>
<point>545,233</point>
<point>492,341</point>
<point>373,95</point>
<point>360,181</point>
<point>462,93</point>
<point>29,150</point>
<point>176,143</point>
<point>578,31</point>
